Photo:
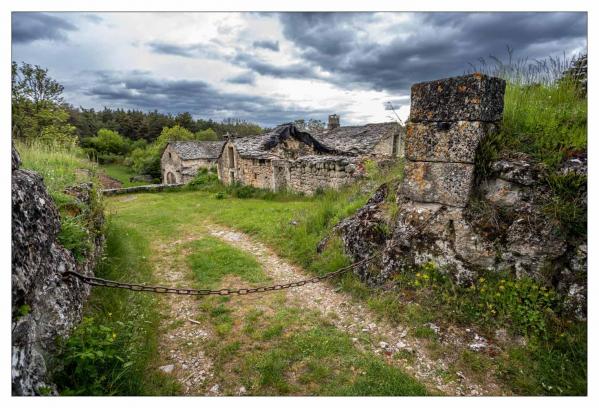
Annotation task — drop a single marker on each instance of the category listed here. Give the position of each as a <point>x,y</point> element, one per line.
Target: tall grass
<point>545,117</point>
<point>60,166</point>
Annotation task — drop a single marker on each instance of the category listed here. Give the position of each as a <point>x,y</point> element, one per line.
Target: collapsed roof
<point>258,147</point>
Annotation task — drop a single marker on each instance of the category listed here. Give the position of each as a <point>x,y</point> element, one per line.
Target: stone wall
<point>150,188</point>
<point>311,173</point>
<point>44,305</point>
<point>252,172</point>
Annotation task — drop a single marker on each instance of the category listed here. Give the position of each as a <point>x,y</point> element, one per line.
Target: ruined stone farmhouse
<point>286,157</point>
<point>181,160</point>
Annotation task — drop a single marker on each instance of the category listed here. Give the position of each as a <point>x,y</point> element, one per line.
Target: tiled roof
<point>356,139</point>
<point>195,149</point>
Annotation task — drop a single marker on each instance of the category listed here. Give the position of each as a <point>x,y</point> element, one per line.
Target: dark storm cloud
<point>432,45</point>
<point>245,78</point>
<point>29,27</point>
<point>143,91</point>
<point>300,70</point>
<point>187,50</point>
<point>269,45</point>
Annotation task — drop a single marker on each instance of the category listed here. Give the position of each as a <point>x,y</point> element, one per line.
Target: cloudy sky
<point>272,68</point>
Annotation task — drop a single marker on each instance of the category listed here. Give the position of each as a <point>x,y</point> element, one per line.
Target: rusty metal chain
<point>93,281</point>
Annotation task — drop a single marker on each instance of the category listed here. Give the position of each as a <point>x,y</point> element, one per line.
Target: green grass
<point>318,359</point>
<point>112,351</point>
<point>548,122</point>
<point>62,167</point>
<point>121,173</point>
<point>211,260</point>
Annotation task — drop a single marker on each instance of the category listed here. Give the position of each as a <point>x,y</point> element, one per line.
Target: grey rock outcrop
<point>463,222</point>
<point>44,305</point>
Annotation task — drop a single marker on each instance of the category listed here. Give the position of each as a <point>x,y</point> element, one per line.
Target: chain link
<point>93,281</point>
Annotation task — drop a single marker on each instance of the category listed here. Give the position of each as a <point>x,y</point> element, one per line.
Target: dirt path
<point>182,338</point>
<point>184,350</point>
<point>388,340</point>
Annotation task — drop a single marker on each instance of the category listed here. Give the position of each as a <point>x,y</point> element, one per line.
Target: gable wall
<point>183,170</point>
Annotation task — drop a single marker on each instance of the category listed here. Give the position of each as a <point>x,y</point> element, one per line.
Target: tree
<point>312,125</point>
<point>37,106</point>
<point>186,121</point>
<point>109,141</point>
<point>147,160</point>
<point>33,83</point>
<point>207,134</point>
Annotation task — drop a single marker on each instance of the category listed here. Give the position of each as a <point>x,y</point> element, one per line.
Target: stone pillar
<point>448,119</point>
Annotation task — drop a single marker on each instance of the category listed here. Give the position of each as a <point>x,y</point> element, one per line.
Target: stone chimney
<point>333,122</point>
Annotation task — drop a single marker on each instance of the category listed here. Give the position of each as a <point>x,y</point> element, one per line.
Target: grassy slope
<point>121,173</point>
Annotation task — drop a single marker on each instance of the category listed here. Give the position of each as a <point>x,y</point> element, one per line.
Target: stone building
<point>288,158</point>
<point>375,140</point>
<point>263,161</point>
<point>181,160</point>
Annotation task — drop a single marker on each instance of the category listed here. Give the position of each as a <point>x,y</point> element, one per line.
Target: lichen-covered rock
<point>520,171</point>
<point>474,97</point>
<point>576,164</point>
<point>443,183</point>
<point>530,244</point>
<point>578,73</point>
<point>365,233</point>
<point>424,233</point>
<point>44,305</point>
<point>445,141</point>
<point>502,193</point>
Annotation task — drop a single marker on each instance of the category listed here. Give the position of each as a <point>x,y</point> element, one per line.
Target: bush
<point>205,179</point>
<point>493,300</point>
<point>207,134</point>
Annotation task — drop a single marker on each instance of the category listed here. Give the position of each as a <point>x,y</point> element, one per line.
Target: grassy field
<point>121,173</point>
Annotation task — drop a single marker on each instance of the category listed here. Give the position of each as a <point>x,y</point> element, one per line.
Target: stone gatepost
<point>448,120</point>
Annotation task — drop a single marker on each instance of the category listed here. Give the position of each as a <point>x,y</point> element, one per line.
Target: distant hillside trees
<point>135,124</point>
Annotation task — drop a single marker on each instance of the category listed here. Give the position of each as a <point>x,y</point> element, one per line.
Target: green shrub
<point>204,179</point>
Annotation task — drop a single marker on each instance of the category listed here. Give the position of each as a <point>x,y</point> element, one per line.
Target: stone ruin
<point>436,220</point>
<point>448,119</point>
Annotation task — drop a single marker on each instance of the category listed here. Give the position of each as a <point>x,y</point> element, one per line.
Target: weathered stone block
<point>445,141</point>
<point>474,97</point>
<point>434,182</point>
